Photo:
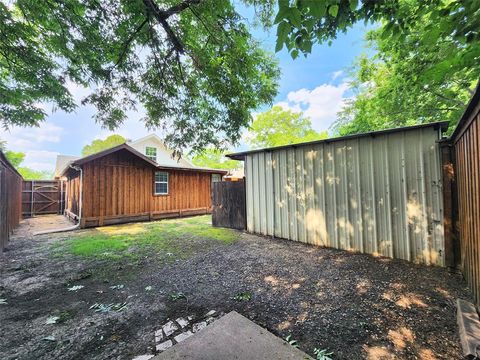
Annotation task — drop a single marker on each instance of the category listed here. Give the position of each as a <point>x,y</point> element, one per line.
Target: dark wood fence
<point>228,204</point>
<point>466,148</point>
<point>10,200</point>
<point>40,197</point>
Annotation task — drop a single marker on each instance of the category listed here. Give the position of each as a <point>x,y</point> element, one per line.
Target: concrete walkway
<point>233,337</point>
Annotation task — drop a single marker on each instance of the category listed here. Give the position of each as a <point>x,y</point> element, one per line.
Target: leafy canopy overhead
<point>277,127</point>
<point>215,159</point>
<point>192,65</point>
<point>426,62</point>
<point>98,145</point>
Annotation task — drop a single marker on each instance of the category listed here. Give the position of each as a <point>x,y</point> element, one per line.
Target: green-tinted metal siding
<point>379,195</point>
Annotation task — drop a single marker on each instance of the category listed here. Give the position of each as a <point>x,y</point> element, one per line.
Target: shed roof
<point>86,159</point>
<point>443,125</point>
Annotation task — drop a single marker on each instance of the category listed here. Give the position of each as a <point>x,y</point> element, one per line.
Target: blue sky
<point>316,85</point>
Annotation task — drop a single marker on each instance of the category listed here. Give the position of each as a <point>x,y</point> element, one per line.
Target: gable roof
<point>62,162</point>
<point>183,162</point>
<point>86,159</point>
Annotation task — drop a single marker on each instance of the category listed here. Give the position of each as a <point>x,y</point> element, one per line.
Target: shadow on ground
<point>356,306</point>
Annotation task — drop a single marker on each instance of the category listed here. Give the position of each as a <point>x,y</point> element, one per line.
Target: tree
<point>277,127</point>
<point>98,145</point>
<point>192,65</point>
<point>301,24</point>
<point>422,76</point>
<point>426,64</point>
<point>214,159</point>
<point>29,174</point>
<point>15,158</point>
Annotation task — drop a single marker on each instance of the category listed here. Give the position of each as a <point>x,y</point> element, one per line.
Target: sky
<point>317,85</point>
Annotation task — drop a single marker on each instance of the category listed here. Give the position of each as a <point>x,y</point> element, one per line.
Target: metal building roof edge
<point>443,125</point>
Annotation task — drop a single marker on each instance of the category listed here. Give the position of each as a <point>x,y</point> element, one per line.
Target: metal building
<point>377,193</point>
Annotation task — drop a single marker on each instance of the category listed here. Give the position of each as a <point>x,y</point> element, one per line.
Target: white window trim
<point>219,177</point>
<point>155,182</point>
<point>156,152</point>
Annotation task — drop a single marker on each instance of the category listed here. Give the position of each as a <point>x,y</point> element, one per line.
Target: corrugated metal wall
<point>378,195</point>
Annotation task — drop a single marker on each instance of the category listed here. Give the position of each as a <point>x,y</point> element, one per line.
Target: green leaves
<point>419,74</point>
<point>199,76</point>
<point>277,127</point>
<point>333,10</point>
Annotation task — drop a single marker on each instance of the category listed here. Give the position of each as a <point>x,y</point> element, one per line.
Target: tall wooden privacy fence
<point>41,197</point>
<point>10,200</point>
<point>228,204</point>
<point>466,148</point>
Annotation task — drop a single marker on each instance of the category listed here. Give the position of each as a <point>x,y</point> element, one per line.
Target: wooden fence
<point>466,148</point>
<point>228,204</point>
<point>10,200</point>
<point>41,197</point>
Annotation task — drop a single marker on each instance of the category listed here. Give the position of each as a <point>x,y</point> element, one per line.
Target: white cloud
<point>40,160</point>
<point>321,104</point>
<point>337,74</point>
<point>24,139</point>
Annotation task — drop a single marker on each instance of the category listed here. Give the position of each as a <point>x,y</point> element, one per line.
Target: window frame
<point>219,177</point>
<point>150,156</point>
<point>155,182</point>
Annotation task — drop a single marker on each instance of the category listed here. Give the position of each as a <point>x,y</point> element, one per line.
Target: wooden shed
<point>122,185</point>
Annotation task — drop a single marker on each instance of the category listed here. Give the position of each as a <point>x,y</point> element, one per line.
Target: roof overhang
<point>442,125</point>
<point>80,162</point>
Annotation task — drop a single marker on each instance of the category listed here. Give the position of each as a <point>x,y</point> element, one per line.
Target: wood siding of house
<point>120,188</point>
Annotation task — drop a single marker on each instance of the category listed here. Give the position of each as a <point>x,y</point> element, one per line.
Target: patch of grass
<point>167,239</point>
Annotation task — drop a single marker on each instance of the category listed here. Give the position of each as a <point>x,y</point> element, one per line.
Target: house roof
<point>181,163</point>
<point>466,118</point>
<point>443,125</point>
<point>63,161</point>
<point>86,159</point>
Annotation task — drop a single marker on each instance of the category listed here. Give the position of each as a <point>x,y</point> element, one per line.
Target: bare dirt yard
<point>101,293</point>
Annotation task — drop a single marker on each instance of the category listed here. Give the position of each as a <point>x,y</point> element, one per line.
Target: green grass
<point>167,239</point>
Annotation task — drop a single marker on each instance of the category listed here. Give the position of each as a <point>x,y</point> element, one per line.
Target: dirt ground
<point>354,305</point>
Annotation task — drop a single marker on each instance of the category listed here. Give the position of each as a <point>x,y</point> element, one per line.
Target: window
<point>151,153</point>
<point>216,178</point>
<point>161,183</point>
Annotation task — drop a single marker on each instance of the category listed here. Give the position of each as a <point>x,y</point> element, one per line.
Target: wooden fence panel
<point>466,142</point>
<point>40,197</point>
<point>10,200</point>
<point>228,204</point>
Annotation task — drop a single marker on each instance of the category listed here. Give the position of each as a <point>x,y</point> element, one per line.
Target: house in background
<point>135,181</point>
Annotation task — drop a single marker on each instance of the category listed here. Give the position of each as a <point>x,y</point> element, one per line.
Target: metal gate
<point>228,204</point>
<point>40,197</point>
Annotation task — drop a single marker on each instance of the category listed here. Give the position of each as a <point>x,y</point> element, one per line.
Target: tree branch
<point>163,15</point>
<point>129,41</point>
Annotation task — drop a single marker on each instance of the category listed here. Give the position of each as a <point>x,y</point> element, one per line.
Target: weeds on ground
<point>322,354</point>
<point>243,296</point>
<point>291,341</point>
<point>169,239</point>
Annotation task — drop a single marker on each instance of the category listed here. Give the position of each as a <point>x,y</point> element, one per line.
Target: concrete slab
<point>233,337</point>
<point>468,328</point>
